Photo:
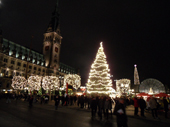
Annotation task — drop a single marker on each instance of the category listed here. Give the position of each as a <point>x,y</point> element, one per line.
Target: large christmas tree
<point>99,78</point>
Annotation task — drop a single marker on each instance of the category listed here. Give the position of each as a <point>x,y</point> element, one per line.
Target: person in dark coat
<point>8,98</point>
<point>85,101</point>
<point>66,100</point>
<point>100,107</point>
<point>75,99</point>
<point>142,105</point>
<point>120,112</point>
<point>106,107</point>
<point>30,101</point>
<point>82,101</point>
<point>63,100</point>
<point>89,101</point>
<point>41,99</point>
<point>93,107</point>
<point>110,103</point>
<point>57,100</point>
<point>71,100</point>
<point>165,107</point>
<point>78,100</point>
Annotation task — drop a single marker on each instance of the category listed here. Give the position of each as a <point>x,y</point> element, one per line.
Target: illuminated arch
<point>123,86</point>
<point>73,80</point>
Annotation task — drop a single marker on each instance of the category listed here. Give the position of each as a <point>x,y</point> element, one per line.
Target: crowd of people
<point>153,104</point>
<point>103,106</point>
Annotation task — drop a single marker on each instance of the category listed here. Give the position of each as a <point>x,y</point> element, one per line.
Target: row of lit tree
<point>45,82</point>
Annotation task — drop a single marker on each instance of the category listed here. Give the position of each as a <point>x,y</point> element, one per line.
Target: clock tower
<point>52,43</point>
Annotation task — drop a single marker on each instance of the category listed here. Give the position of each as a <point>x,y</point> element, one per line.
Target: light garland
<point>34,83</point>
<point>50,83</point>
<point>19,82</point>
<point>73,80</point>
<point>122,86</point>
<point>99,78</point>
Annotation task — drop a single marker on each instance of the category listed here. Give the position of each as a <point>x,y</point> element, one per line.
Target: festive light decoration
<point>50,83</point>
<point>34,83</point>
<point>83,88</point>
<point>152,86</point>
<point>122,86</point>
<point>73,80</point>
<point>99,78</point>
<point>19,82</point>
<point>136,76</point>
<point>150,91</point>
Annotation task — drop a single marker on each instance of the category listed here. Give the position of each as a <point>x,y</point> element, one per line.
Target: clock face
<point>46,48</point>
<point>56,49</point>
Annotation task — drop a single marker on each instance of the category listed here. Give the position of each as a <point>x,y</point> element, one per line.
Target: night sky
<point>133,32</point>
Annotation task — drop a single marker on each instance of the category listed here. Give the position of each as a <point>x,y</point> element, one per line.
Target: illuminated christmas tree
<point>136,76</point>
<point>99,78</point>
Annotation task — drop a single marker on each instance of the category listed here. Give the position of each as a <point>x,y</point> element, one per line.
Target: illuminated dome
<point>155,85</point>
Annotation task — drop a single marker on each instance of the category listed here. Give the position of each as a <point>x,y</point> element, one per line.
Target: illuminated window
<point>56,49</point>
<point>46,48</point>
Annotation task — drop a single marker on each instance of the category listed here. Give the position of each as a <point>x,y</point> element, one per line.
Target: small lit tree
<point>19,82</point>
<point>50,83</point>
<point>34,83</point>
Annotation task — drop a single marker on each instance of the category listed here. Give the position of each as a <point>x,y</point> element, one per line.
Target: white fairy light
<point>73,80</point>
<point>50,83</point>
<point>122,86</point>
<point>19,82</point>
<point>34,83</point>
<point>99,77</point>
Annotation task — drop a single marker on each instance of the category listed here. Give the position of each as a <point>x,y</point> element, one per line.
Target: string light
<point>73,80</point>
<point>99,78</point>
<point>50,83</point>
<point>122,86</point>
<point>19,82</point>
<point>34,83</point>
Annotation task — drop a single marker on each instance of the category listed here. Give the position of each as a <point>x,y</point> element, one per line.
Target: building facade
<point>18,60</point>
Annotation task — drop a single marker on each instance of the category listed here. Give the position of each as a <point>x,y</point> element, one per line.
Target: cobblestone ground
<point>20,115</point>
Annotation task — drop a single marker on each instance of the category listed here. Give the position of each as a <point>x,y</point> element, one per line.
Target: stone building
<point>17,60</point>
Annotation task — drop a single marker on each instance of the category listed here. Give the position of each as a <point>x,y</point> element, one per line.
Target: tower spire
<point>136,76</point>
<point>54,23</point>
